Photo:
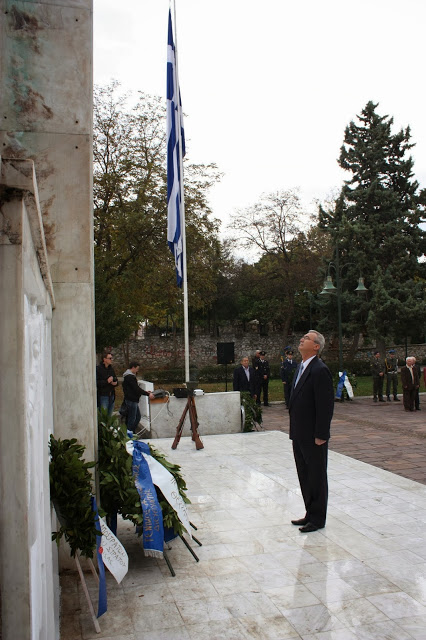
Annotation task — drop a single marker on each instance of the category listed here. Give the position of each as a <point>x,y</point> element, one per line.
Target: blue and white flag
<point>175,151</point>
<point>340,384</point>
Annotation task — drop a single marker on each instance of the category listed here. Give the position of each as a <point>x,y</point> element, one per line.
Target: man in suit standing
<point>244,378</point>
<point>311,409</point>
<point>410,383</point>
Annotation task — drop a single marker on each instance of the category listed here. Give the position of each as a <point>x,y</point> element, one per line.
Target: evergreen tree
<point>375,226</point>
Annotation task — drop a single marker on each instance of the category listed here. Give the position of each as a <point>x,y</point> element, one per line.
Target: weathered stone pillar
<point>46,116</point>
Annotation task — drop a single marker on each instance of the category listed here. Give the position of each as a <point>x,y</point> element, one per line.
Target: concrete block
<point>217,413</point>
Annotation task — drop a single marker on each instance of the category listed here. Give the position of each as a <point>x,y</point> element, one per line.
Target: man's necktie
<point>299,375</point>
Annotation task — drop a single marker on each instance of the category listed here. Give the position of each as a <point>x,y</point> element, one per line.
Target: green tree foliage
<point>290,255</point>
<point>134,269</point>
<point>375,224</point>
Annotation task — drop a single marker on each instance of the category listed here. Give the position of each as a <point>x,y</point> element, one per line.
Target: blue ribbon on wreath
<point>102,599</point>
<point>153,532</point>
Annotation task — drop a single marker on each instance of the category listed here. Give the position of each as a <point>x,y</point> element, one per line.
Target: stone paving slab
<point>381,434</point>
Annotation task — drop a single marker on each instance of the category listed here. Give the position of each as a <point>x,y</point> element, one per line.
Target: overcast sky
<point>268,87</point>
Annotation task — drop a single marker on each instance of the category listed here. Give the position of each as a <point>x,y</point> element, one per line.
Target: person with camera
<point>106,382</point>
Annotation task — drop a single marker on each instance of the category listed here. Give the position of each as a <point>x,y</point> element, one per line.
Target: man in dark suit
<point>311,409</point>
<point>410,383</point>
<point>244,378</point>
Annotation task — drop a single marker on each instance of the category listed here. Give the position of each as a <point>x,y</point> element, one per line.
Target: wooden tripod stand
<point>190,406</point>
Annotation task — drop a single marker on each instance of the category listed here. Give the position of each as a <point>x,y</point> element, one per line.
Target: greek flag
<point>175,150</point>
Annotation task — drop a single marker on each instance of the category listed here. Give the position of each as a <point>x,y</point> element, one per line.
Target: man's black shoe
<point>309,527</point>
<point>388,398</point>
<point>381,400</point>
<point>300,522</point>
<point>396,399</point>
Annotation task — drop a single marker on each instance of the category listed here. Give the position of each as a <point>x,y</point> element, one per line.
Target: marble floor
<point>259,578</point>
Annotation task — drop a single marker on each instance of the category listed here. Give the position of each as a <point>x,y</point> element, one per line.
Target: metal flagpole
<point>182,208</point>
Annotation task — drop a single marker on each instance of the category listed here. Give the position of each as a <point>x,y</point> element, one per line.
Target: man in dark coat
<point>244,378</point>
<point>287,370</point>
<point>106,382</point>
<point>311,409</point>
<point>410,383</point>
<point>391,368</point>
<point>132,392</point>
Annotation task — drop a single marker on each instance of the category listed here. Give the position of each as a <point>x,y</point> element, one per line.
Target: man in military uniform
<point>391,369</point>
<point>378,371</point>
<point>255,359</point>
<point>263,373</point>
<point>287,370</point>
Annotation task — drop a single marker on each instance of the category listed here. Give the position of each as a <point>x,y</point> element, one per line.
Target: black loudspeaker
<point>225,353</point>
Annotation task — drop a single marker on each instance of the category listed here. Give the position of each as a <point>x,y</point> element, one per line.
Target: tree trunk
<point>380,346</point>
<point>288,320</point>
<point>354,347</point>
<point>126,347</point>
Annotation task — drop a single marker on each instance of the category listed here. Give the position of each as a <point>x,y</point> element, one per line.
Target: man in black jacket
<point>311,409</point>
<point>132,392</point>
<point>106,381</point>
<point>244,378</point>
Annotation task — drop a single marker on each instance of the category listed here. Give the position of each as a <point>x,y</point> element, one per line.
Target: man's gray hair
<point>409,358</point>
<point>319,339</point>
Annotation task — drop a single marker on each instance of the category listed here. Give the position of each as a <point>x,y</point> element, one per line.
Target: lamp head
<point>328,286</point>
<point>361,288</point>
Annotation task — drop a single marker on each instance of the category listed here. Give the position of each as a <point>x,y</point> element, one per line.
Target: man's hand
<point>110,379</point>
<point>320,442</point>
<point>151,396</point>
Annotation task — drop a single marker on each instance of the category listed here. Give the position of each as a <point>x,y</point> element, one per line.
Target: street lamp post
<point>330,288</point>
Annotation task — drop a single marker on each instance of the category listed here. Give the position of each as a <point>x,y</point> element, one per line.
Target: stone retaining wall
<point>158,353</point>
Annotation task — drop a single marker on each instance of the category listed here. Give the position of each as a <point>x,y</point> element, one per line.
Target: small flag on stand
<point>175,153</point>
